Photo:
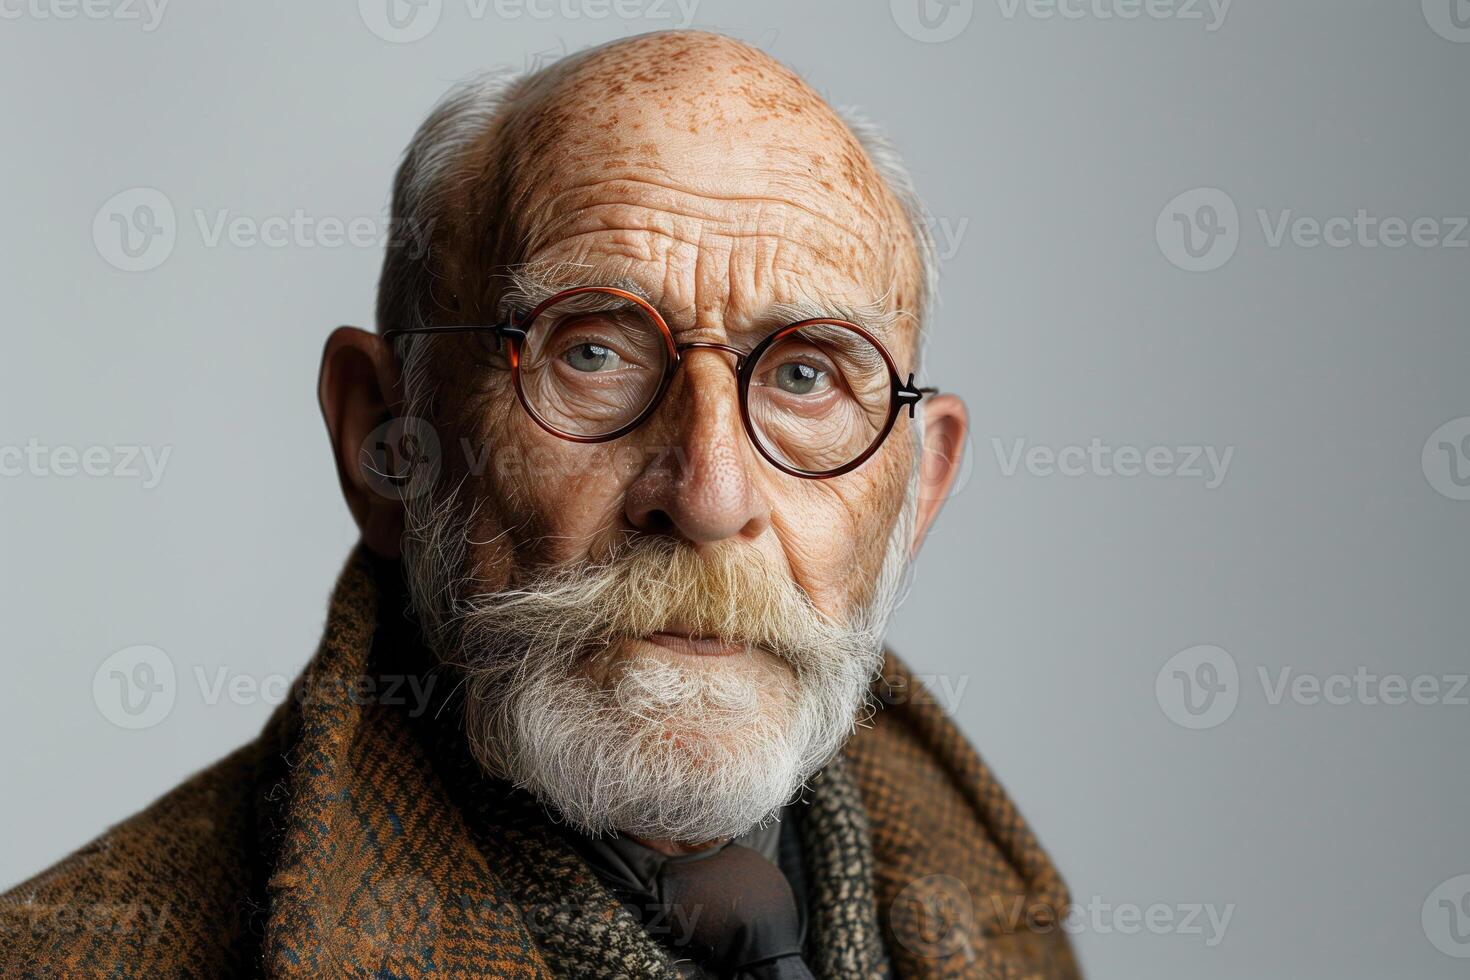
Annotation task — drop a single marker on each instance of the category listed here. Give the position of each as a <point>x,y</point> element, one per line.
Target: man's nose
<point>702,486</point>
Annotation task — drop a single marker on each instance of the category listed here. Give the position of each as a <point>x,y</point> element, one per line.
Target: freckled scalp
<point>699,118</point>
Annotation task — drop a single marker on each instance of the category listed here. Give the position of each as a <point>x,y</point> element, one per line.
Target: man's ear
<point>946,423</point>
<point>357,389</point>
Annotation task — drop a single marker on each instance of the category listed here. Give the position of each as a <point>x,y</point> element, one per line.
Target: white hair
<point>886,159</point>
<point>428,171</point>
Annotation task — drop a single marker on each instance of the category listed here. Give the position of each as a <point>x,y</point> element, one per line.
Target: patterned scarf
<point>355,837</point>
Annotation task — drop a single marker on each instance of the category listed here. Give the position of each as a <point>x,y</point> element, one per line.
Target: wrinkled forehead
<point>695,135</point>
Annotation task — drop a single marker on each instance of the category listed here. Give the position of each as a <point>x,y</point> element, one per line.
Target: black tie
<point>740,912</point>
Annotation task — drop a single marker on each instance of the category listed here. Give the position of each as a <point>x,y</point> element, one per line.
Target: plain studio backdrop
<point>1199,600</point>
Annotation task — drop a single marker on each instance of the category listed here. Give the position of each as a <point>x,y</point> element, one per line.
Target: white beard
<point>669,753</point>
<point>683,751</point>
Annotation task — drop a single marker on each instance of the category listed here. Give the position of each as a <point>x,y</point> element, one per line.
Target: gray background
<point>1047,604</point>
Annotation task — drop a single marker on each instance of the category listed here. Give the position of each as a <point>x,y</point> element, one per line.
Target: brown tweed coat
<point>353,839</point>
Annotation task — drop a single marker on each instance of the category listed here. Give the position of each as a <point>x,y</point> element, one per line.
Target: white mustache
<point>646,586</point>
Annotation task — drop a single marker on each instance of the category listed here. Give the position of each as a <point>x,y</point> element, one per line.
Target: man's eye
<point>800,379</point>
<point>592,357</point>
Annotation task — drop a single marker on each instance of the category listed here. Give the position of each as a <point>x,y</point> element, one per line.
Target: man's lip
<point>700,646</point>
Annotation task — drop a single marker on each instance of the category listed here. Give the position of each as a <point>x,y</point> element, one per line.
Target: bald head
<point>687,165</point>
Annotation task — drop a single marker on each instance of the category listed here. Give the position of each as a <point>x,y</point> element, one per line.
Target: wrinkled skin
<point>716,181</point>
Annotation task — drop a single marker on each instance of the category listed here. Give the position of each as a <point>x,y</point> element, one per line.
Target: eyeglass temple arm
<point>908,395</point>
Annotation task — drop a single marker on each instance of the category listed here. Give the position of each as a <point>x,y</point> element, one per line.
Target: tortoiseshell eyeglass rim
<point>901,393</point>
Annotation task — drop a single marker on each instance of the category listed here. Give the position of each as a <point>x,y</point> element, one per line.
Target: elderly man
<point>639,463</point>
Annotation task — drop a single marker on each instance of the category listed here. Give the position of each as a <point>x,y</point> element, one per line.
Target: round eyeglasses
<point>590,364</point>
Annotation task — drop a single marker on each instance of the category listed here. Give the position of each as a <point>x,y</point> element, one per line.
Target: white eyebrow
<point>876,318</point>
<point>532,285</point>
